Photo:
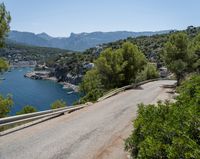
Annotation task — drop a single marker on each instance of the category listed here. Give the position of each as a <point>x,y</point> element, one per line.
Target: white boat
<point>70,92</point>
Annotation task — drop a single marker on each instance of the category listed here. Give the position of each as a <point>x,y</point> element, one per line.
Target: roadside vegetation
<point>165,129</point>
<point>124,63</point>
<point>169,130</point>
<point>58,104</point>
<point>5,105</point>
<point>27,109</point>
<point>181,55</point>
<point>116,68</point>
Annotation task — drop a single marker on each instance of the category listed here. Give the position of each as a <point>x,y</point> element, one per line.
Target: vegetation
<point>134,62</point>
<point>181,55</point>
<point>69,67</point>
<point>151,46</point>
<point>20,52</point>
<point>169,130</point>
<point>91,86</point>
<point>179,51</point>
<point>5,106</point>
<point>58,104</point>
<point>5,19</point>
<point>3,65</point>
<point>115,68</point>
<point>149,72</point>
<point>5,103</point>
<point>27,109</point>
<point>177,55</point>
<point>4,29</point>
<point>195,48</point>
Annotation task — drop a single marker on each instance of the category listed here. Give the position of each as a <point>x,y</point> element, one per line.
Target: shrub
<point>169,130</point>
<point>3,65</point>
<point>5,105</point>
<point>58,104</point>
<point>27,109</point>
<point>149,72</point>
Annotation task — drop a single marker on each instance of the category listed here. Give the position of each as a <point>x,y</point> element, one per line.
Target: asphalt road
<point>94,132</point>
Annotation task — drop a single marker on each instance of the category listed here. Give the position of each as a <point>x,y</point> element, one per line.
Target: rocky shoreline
<point>67,85</point>
<point>44,75</point>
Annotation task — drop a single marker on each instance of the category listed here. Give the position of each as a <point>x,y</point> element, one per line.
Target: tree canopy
<point>115,68</point>
<point>5,19</point>
<point>91,86</point>
<point>195,48</point>
<point>177,55</point>
<point>5,103</point>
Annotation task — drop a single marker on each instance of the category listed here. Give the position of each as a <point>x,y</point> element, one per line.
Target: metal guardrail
<point>134,85</point>
<point>55,112</point>
<point>37,115</point>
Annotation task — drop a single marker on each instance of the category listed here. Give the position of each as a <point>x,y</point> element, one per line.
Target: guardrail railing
<point>37,115</point>
<point>134,85</point>
<point>55,112</point>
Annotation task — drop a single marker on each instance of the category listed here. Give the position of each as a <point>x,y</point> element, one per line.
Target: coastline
<point>44,75</point>
<point>67,85</point>
<point>38,93</point>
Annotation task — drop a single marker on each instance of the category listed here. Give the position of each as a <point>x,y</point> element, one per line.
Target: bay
<point>38,93</point>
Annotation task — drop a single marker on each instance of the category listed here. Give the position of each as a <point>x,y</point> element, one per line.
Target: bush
<point>169,130</point>
<point>27,109</point>
<point>5,106</point>
<point>3,65</point>
<point>58,104</point>
<point>149,72</point>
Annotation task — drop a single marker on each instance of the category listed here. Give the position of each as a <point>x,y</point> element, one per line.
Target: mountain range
<point>75,42</point>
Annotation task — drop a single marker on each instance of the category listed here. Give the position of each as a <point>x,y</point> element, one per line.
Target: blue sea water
<point>38,93</point>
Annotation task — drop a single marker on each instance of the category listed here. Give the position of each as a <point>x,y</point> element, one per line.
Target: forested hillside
<point>151,46</point>
<point>75,42</point>
<point>68,65</point>
<point>19,52</point>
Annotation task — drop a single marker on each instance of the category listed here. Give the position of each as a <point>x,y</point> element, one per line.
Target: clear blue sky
<point>61,17</point>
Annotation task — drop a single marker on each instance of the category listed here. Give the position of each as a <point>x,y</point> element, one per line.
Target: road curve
<point>94,132</point>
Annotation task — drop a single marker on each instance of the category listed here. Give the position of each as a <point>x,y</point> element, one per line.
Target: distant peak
<point>43,33</point>
<point>73,34</point>
<point>44,36</point>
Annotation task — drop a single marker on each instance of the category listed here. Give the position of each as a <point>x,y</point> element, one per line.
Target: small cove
<point>38,93</point>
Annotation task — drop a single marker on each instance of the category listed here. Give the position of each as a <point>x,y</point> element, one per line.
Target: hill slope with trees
<point>75,42</point>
